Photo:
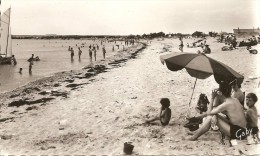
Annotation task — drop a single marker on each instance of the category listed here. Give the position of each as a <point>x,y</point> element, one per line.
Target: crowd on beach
<point>225,111</point>
<point>202,43</point>
<point>230,41</point>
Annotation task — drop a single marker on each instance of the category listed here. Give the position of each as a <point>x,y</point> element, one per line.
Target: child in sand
<point>252,115</point>
<point>165,113</point>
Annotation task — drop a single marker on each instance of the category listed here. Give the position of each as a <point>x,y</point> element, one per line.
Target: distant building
<point>248,31</point>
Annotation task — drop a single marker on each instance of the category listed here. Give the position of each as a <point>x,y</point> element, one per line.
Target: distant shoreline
<point>54,36</point>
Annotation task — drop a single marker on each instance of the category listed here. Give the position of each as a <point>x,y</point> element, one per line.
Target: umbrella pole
<point>191,96</point>
<point>193,91</point>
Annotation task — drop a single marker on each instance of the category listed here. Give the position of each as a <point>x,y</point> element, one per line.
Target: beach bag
<point>192,126</point>
<point>193,123</point>
<point>202,104</point>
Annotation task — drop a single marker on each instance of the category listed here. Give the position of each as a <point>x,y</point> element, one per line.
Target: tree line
<point>145,36</point>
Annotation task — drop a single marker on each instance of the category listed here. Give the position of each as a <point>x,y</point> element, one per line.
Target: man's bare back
<point>235,113</point>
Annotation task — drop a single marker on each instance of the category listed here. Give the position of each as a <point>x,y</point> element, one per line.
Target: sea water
<point>54,57</point>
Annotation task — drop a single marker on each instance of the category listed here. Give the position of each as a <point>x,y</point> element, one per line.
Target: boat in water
<point>6,56</point>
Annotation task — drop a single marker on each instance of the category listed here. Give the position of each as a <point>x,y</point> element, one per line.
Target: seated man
<point>235,127</point>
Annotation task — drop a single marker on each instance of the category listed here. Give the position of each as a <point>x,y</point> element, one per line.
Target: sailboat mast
<point>11,47</point>
<point>0,14</point>
<point>0,24</point>
<point>8,33</point>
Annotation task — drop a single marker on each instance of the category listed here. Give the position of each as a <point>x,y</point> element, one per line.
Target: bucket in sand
<point>128,148</point>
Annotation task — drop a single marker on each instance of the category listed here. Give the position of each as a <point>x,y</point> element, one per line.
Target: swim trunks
<point>255,130</point>
<point>237,132</point>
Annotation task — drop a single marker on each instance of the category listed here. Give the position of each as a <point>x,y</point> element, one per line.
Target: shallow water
<point>54,57</point>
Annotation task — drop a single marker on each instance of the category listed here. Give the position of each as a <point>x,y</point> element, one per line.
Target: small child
<point>252,115</point>
<point>165,113</point>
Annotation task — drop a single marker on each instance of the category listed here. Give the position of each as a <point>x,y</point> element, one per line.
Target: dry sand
<point>97,114</point>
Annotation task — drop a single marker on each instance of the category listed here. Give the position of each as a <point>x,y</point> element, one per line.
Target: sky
<point>125,17</point>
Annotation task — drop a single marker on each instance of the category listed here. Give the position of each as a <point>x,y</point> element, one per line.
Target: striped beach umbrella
<point>201,66</point>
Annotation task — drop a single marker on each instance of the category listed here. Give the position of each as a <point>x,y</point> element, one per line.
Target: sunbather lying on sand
<point>165,113</point>
<point>252,51</point>
<point>193,45</point>
<point>227,47</point>
<point>235,127</point>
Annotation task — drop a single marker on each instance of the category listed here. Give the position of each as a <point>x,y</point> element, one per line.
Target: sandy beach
<point>94,111</point>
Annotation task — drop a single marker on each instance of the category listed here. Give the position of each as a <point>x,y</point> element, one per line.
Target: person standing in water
<point>31,58</point>
<point>13,60</point>
<point>90,54</point>
<point>71,53</point>
<point>95,53</point>
<point>80,52</point>
<point>30,66</point>
<point>104,52</point>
